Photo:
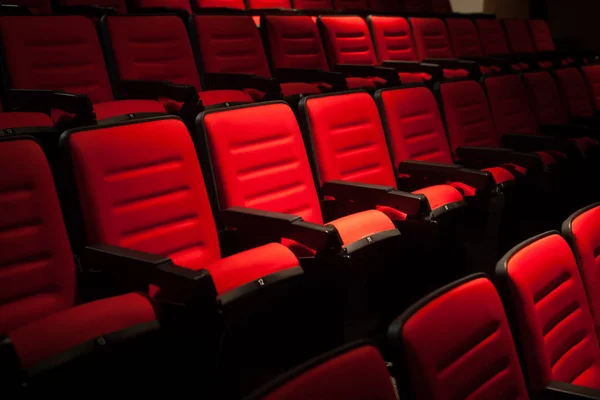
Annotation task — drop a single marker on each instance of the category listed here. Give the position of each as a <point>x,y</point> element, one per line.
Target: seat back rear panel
<point>518,36</point>
<point>414,124</point>
<point>349,146</point>
<point>295,42</point>
<point>231,44</point>
<point>509,104</point>
<point>57,52</point>
<point>393,38</point>
<point>36,263</point>
<point>259,161</point>
<point>153,48</point>
<point>465,40</point>
<point>431,38</point>
<point>592,76</point>
<point>468,116</point>
<point>575,92</point>
<point>542,38</point>
<point>474,359</point>
<point>140,187</point>
<point>493,39</point>
<point>544,98</point>
<point>348,40</point>
<point>555,323</point>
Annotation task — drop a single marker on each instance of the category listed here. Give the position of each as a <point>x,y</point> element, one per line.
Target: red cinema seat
<point>542,288</point>
<point>175,5</point>
<point>40,323</point>
<point>592,77</point>
<point>521,42</point>
<point>66,56</point>
<point>231,45</point>
<point>351,5</point>
<point>575,92</point>
<point>475,358</point>
<point>155,49</point>
<point>233,4</point>
<point>320,5</point>
<point>493,39</point>
<point>330,377</point>
<point>541,35</point>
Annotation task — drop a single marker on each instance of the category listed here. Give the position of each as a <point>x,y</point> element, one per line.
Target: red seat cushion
<point>359,83</point>
<point>440,195</point>
<point>407,77</point>
<point>293,88</point>
<point>213,97</point>
<point>69,328</point>
<point>357,226</point>
<point>500,175</point>
<point>24,119</point>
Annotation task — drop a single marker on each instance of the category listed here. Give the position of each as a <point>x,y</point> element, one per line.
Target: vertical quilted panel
<point>544,98</point>
<point>575,92</point>
<point>519,38</point>
<point>312,4</point>
<point>231,43</point>
<point>493,39</point>
<point>235,4</point>
<point>508,100</point>
<point>542,38</point>
<point>393,38</point>
<point>555,322</point>
<point>43,7</point>
<point>153,48</point>
<point>258,4</point>
<point>464,36</point>
<point>414,125</point>
<point>56,53</point>
<point>119,5</point>
<point>468,116</point>
<point>431,38</point>
<point>169,4</point>
<point>585,229</point>
<point>350,5</point>
<point>295,42</point>
<point>473,359</point>
<point>140,187</point>
<point>349,145</point>
<point>259,161</point>
<point>36,266</point>
<point>347,40</point>
<point>592,76</point>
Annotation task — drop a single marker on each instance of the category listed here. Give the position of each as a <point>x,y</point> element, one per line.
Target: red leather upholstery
<point>545,98</point>
<point>157,48</point>
<point>582,229</point>
<point>464,37</point>
<point>555,324</point>
<point>347,40</point>
<point>44,53</point>
<point>169,4</point>
<point>592,76</point>
<point>492,37</point>
<point>24,119</point>
<point>258,4</point>
<point>474,358</point>
<point>328,379</point>
<point>235,4</point>
<point>541,35</point>
<point>37,275</point>
<point>393,38</point>
<point>575,92</point>
<point>519,38</point>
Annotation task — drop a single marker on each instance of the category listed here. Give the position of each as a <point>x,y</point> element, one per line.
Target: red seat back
<point>544,98</point>
<point>140,187</point>
<point>468,116</point>
<point>348,146</point>
<point>347,40</point>
<point>234,4</point>
<point>540,33</point>
<point>493,39</point>
<point>509,104</point>
<point>393,38</point>
<point>312,4</point>
<point>152,48</point>
<point>230,43</point>
<point>294,42</point>
<point>474,358</point>
<point>582,231</point>
<point>431,38</point>
<point>574,92</point>
<point>258,4</point>
<point>591,74</point>
<point>56,53</point>
<point>413,124</point>
<point>344,5</point>
<point>168,4</point>
<point>517,33</point>
<point>554,321</point>
<point>464,36</point>
<point>327,378</point>
<point>37,274</point>
<point>259,160</point>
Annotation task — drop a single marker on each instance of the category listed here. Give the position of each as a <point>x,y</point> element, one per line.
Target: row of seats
<point>537,325</point>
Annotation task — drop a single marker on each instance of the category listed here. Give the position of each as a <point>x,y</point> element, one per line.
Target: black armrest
<point>90,11</point>
<point>45,100</point>
<point>586,121</point>
<point>480,180</point>
<point>241,81</point>
<point>567,131</point>
<point>414,66</point>
<point>495,156</point>
<point>364,71</point>
<point>317,237</point>
<point>562,390</point>
<point>376,195</point>
<point>336,80</point>
<point>452,63</point>
<point>144,269</point>
<point>145,89</point>
<point>533,143</point>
